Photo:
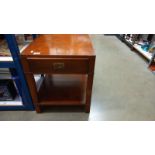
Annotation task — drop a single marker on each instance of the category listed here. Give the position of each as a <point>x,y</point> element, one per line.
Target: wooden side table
<point>66,63</point>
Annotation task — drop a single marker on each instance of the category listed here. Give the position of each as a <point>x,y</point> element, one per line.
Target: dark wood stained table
<point>66,63</point>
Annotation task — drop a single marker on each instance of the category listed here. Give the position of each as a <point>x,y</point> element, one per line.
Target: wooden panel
<point>58,66</point>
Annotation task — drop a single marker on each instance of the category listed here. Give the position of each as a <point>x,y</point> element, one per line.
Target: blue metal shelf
<point>7,64</point>
<point>17,75</point>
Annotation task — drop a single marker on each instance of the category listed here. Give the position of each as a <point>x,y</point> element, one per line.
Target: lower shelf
<point>62,90</point>
<point>16,102</point>
<point>144,53</point>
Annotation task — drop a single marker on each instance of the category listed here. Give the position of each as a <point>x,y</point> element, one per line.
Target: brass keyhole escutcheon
<point>58,66</point>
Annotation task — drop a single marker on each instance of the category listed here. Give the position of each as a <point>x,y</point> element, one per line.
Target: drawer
<point>59,65</point>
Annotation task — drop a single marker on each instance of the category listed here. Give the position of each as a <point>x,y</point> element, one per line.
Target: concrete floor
<point>124,89</point>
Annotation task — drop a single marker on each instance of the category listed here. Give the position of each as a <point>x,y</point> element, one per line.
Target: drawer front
<point>58,65</point>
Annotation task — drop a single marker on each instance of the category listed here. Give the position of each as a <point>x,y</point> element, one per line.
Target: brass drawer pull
<point>58,66</point>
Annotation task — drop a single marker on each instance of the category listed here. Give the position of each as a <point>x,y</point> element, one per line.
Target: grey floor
<point>124,89</point>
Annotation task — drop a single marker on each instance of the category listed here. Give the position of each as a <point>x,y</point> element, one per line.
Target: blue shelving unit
<point>17,74</point>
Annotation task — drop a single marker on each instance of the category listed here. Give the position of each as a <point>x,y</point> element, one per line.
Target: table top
<point>60,45</point>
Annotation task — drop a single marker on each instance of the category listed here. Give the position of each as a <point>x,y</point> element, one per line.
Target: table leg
<point>32,87</point>
<point>38,109</point>
<point>88,93</point>
<point>89,85</point>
